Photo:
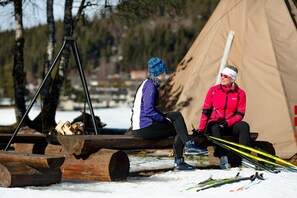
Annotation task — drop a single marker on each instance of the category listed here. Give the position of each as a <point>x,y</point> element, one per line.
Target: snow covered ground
<point>114,117</point>
<point>167,184</point>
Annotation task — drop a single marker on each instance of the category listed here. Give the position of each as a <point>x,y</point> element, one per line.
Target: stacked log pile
<point>93,165</point>
<point>19,170</point>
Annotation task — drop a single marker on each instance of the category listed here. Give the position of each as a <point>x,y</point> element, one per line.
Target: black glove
<point>223,124</point>
<point>201,132</point>
<point>198,132</point>
<point>199,138</point>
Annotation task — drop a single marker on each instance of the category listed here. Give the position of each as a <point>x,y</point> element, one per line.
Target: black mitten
<point>223,124</point>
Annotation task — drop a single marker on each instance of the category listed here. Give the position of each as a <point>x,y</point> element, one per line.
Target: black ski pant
<point>176,128</point>
<point>240,129</point>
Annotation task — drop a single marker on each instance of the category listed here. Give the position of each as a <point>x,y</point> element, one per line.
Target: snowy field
<point>113,117</point>
<point>169,184</point>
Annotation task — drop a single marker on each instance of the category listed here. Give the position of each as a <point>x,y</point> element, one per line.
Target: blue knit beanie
<point>156,66</point>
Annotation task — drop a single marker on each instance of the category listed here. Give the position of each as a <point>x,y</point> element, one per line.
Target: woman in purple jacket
<point>149,123</point>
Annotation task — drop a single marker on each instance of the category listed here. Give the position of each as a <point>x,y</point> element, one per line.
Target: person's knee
<point>173,115</point>
<point>243,127</point>
<point>243,124</point>
<point>215,129</point>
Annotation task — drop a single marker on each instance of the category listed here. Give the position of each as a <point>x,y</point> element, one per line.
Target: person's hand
<point>199,137</point>
<point>198,132</point>
<point>201,131</point>
<point>223,124</point>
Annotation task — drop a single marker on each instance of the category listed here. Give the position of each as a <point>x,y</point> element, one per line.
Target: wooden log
<point>15,174</point>
<point>49,149</point>
<point>29,148</point>
<point>23,138</point>
<point>86,144</point>
<point>105,165</point>
<point>34,160</point>
<point>54,150</point>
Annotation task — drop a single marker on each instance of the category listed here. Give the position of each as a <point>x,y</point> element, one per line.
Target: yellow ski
<point>256,151</point>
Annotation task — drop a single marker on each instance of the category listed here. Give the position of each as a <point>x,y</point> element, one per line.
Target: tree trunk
<point>51,34</point>
<point>52,89</point>
<point>51,98</point>
<point>51,101</point>
<point>18,68</point>
<point>45,121</point>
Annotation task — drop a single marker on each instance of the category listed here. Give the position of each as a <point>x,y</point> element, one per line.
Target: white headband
<point>230,72</point>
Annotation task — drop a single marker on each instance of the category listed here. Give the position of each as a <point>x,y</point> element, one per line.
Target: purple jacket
<point>144,111</point>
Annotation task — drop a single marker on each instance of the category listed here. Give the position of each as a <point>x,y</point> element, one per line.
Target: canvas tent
<point>264,50</point>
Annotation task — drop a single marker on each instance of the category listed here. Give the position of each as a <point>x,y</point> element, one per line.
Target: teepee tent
<point>263,48</point>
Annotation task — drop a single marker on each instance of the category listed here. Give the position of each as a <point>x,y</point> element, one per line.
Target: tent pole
<point>226,54</point>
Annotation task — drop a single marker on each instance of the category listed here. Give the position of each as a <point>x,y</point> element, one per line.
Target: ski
<point>249,185</point>
<point>250,158</point>
<point>255,157</point>
<point>232,180</point>
<point>290,165</point>
<point>211,181</point>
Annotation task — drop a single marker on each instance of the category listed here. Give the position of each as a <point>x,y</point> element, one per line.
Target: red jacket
<point>223,103</point>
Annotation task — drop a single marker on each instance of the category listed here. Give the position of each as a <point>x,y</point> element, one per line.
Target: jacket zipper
<point>225,107</point>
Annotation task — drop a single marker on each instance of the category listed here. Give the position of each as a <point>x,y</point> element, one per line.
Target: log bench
<point>101,157</point>
<point>84,144</point>
<point>23,138</point>
<point>37,141</point>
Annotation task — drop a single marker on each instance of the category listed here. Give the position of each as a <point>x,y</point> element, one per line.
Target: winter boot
<point>180,164</point>
<point>192,149</point>
<point>224,162</point>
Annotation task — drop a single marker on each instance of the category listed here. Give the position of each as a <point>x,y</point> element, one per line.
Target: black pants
<point>240,129</point>
<point>160,130</point>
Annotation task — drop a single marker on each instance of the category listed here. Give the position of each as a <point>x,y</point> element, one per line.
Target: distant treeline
<point>128,35</point>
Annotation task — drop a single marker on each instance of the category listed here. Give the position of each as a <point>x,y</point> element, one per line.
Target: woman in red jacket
<point>223,111</point>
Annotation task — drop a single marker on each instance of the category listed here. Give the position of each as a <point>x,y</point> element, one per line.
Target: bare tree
<point>18,67</point>
<point>50,33</point>
<point>52,89</point>
<point>46,119</point>
<point>50,93</point>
